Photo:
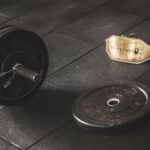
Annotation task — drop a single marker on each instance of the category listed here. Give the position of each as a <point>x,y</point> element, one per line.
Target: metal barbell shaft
<point>27,73</point>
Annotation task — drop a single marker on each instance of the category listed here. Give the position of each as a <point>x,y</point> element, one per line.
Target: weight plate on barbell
<point>27,48</point>
<point>115,105</point>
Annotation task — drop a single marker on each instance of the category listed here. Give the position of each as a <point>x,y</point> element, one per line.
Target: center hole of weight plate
<point>113,102</point>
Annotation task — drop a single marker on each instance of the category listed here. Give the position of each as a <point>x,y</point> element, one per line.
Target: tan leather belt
<point>126,49</point>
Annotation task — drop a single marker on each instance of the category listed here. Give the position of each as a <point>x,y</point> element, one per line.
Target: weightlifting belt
<point>127,49</point>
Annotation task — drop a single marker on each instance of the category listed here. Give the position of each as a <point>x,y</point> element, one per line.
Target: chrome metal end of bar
<point>27,73</point>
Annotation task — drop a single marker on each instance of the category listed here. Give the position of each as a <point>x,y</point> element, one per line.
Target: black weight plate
<point>25,47</point>
<point>113,106</point>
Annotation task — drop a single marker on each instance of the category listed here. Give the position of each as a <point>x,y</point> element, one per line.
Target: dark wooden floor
<point>74,32</point>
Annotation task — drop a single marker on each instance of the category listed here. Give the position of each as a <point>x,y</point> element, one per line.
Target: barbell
<point>23,64</point>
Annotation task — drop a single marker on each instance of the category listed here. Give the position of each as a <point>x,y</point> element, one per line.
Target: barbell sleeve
<point>27,73</point>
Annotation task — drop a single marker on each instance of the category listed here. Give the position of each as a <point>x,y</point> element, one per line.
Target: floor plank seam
<point>14,145</point>
<point>140,22</point>
<point>73,38</point>
<point>83,15</point>
<point>15,17</point>
<point>142,75</point>
<point>51,133</point>
<point>102,44</point>
<point>93,49</point>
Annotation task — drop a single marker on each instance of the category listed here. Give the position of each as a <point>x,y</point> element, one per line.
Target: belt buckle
<point>129,49</point>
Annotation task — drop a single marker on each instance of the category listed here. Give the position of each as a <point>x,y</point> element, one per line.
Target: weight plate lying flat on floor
<point>26,48</point>
<point>114,105</point>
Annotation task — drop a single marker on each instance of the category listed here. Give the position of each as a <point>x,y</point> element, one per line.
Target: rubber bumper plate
<point>117,104</point>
